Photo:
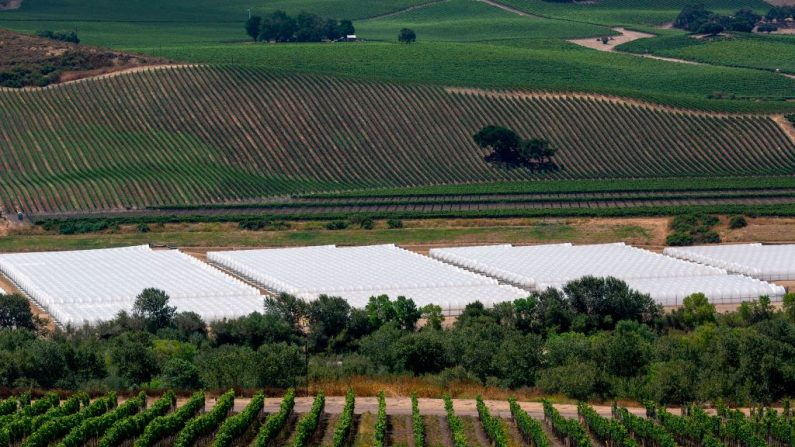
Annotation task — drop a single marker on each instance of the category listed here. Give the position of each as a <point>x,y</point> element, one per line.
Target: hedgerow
<point>309,422</point>
<point>96,427</point>
<point>275,422</point>
<point>131,426</point>
<point>531,429</point>
<point>58,427</point>
<point>491,425</point>
<point>417,424</point>
<point>206,423</point>
<point>380,422</point>
<point>163,426</point>
<point>568,430</point>
<point>235,426</point>
<point>345,423</point>
<point>455,424</point>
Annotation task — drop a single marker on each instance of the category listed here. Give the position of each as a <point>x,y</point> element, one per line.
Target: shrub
<point>394,223</point>
<point>143,228</point>
<point>736,222</point>
<point>337,225</point>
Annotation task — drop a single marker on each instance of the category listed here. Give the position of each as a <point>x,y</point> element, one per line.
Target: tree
<point>692,17</point>
<point>15,312</point>
<point>288,308</point>
<point>432,313</point>
<point>278,27</point>
<point>537,149</point>
<point>710,28</point>
<point>346,28</point>
<point>767,28</point>
<point>407,35</point>
<point>253,26</point>
<point>503,141</point>
<point>328,318</point>
<point>152,307</point>
<point>603,302</point>
<point>789,306</point>
<point>132,357</point>
<point>181,374</point>
<point>697,310</point>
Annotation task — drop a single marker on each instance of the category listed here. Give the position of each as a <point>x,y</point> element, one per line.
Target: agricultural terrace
<point>242,134</point>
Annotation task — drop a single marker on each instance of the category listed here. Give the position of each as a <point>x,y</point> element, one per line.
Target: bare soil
<point>624,36</point>
<point>7,5</point>
<point>36,61</point>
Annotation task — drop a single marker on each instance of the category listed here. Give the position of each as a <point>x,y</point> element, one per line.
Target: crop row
<point>198,136</point>
<point>491,425</point>
<point>206,423</point>
<point>235,426</point>
<point>276,421</point>
<point>345,424</point>
<point>531,429</point>
<point>565,429</point>
<point>609,431</point>
<point>417,424</point>
<point>455,424</point>
<point>308,424</point>
<point>170,424</point>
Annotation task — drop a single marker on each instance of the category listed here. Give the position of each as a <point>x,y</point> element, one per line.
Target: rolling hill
<point>202,135</point>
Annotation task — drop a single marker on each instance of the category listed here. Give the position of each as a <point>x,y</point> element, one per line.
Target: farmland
<point>307,142</point>
<point>768,53</point>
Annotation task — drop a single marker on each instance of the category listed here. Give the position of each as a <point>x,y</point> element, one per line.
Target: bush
<point>143,228</point>
<point>678,239</point>
<point>337,225</point>
<point>394,223</point>
<point>736,222</point>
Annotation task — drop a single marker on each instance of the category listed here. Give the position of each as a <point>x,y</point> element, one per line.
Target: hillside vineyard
<point>194,135</point>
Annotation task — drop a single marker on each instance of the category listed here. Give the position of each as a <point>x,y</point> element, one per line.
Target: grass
<point>769,53</point>
<point>538,64</point>
<point>217,235</point>
<point>365,432</point>
<point>471,21</point>
<point>577,186</point>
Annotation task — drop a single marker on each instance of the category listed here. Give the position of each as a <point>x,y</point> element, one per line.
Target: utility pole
<point>249,13</point>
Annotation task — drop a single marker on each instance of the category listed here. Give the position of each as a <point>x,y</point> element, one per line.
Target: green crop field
<point>213,135</point>
<point>738,50</point>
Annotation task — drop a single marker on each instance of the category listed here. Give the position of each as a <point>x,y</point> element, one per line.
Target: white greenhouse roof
<point>357,273</point>
<point>539,266</point>
<point>766,262</point>
<point>93,285</point>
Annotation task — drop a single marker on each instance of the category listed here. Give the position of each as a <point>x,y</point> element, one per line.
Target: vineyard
<point>201,135</point>
<point>108,421</point>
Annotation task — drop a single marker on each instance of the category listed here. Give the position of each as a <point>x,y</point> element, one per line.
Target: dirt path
<point>785,124</point>
<point>405,10</point>
<point>507,8</point>
<point>624,36</point>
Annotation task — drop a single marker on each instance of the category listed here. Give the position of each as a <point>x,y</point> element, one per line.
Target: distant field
<point>211,135</point>
<point>738,50</point>
<point>539,65</point>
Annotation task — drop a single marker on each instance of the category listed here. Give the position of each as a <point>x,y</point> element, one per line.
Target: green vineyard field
<point>209,135</point>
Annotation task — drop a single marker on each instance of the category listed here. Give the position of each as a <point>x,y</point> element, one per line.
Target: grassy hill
<point>461,43</point>
<point>215,135</point>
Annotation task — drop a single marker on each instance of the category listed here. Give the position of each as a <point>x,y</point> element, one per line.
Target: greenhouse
<point>357,273</point>
<point>666,279</point>
<point>94,285</point>
<point>765,262</point>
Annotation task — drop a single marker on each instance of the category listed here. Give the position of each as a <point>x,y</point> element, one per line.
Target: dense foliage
<point>170,424</point>
<point>305,27</point>
<point>529,427</point>
<point>491,425</point>
<point>206,423</point>
<point>417,424</point>
<point>567,430</point>
<point>308,423</point>
<point>96,427</point>
<point>455,424</point>
<point>380,422</point>
<point>56,428</point>
<point>345,423</point>
<point>275,422</point>
<point>132,426</point>
<point>608,431</point>
<point>235,426</point>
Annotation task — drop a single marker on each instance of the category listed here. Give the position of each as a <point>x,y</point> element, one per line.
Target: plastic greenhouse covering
<point>766,262</point>
<point>88,286</point>
<point>666,279</point>
<point>357,273</point>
